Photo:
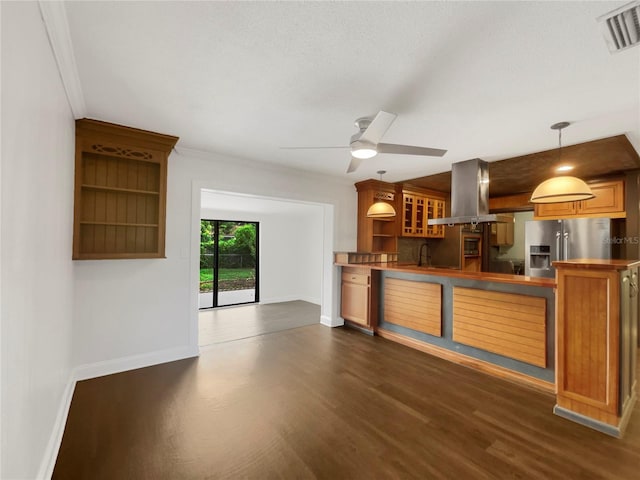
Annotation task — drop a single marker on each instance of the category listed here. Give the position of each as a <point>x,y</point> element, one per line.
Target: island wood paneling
<point>414,305</point>
<point>508,324</point>
<point>588,336</point>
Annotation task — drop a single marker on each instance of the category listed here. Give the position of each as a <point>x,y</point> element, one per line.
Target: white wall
<point>290,245</point>
<point>134,312</point>
<point>37,209</point>
<point>104,316</point>
<point>516,251</point>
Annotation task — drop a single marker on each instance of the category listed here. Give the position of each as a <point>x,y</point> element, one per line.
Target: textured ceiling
<point>481,79</point>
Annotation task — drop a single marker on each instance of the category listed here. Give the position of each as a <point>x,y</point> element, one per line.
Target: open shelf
<point>120,191</point>
<point>116,189</point>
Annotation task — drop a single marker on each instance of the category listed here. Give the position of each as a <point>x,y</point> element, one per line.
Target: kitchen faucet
<point>425,244</point>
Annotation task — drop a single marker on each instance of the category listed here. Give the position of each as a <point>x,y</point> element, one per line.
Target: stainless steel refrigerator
<point>550,240</point>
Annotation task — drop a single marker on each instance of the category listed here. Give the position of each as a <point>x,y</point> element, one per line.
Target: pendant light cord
<point>559,144</point>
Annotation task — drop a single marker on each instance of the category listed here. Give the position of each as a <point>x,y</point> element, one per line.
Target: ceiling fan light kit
<point>366,143</point>
<point>363,150</point>
<point>563,188</point>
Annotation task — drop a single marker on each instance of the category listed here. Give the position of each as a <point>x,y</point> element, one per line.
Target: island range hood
<point>470,195</point>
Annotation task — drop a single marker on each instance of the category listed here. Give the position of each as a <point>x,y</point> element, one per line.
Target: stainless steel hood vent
<point>470,195</point>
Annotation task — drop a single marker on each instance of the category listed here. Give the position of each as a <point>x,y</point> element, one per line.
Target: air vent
<point>621,28</point>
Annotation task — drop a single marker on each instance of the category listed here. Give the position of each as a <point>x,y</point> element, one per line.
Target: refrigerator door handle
<point>558,246</point>
<point>566,246</point>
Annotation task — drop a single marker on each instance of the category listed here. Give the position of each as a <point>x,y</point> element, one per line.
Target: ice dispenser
<point>539,257</point>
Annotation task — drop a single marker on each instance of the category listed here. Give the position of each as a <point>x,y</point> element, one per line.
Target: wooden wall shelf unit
<point>596,337</point>
<point>376,234</point>
<point>120,191</point>
<point>609,202</point>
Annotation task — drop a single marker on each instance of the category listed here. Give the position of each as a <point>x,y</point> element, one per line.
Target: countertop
<point>449,272</point>
<point>596,264</point>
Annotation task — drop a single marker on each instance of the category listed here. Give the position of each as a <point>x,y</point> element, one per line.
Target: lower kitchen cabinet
<point>359,290</point>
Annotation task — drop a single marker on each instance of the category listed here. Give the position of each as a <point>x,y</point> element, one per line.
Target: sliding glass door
<point>228,263</point>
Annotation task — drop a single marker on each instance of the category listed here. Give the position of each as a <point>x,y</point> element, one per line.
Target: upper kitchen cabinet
<point>419,206</point>
<point>608,202</point>
<point>376,234</point>
<point>120,191</point>
<point>502,233</point>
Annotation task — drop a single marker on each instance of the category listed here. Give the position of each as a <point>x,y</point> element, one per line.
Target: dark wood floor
<point>315,402</point>
<point>226,324</point>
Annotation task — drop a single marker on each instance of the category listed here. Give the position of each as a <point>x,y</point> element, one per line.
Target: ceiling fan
<point>366,143</point>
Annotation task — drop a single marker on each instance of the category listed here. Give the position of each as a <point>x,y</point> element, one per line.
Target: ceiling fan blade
<point>307,148</point>
<point>355,163</point>
<point>378,127</point>
<point>410,150</point>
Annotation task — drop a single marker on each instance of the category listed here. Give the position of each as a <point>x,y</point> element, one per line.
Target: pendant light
<point>380,208</point>
<point>563,188</point>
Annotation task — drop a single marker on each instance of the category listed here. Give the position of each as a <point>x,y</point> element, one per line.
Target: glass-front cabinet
<point>418,208</point>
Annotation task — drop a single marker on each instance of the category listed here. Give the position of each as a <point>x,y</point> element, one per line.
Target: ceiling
<point>481,79</point>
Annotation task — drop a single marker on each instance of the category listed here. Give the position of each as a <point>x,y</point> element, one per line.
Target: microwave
<point>471,245</point>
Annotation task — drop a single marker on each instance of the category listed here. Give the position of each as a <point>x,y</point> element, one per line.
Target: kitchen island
<point>499,323</point>
<point>508,326</point>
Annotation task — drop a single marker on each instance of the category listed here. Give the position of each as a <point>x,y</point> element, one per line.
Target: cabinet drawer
<point>359,278</point>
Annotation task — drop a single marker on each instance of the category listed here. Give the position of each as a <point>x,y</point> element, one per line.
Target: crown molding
<point>267,166</point>
<point>54,17</point>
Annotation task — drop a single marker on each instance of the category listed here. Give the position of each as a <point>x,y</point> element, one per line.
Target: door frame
<point>216,264</point>
<point>330,285</point>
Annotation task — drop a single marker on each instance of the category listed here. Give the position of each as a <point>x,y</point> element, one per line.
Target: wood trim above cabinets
<point>511,203</point>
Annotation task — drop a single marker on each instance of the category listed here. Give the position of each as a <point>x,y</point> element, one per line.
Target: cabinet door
<point>555,210</point>
<point>355,302</point>
<point>587,340</point>
<point>409,208</point>
<point>420,217</point>
<point>502,233</point>
<point>435,209</point>
<point>609,199</point>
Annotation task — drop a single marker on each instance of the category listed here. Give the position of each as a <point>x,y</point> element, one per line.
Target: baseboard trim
<point>290,298</point>
<point>464,360</point>
<point>592,423</point>
<point>99,369</point>
<point>108,367</point>
<point>55,440</point>
<point>327,321</point>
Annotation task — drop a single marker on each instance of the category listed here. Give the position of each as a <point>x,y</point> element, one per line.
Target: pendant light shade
<point>563,188</point>
<point>380,208</point>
